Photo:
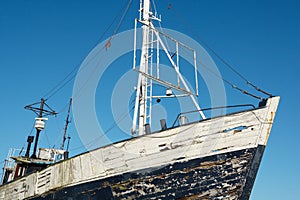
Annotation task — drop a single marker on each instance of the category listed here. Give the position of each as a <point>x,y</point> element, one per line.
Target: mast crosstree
<point>40,120</point>
<point>152,38</point>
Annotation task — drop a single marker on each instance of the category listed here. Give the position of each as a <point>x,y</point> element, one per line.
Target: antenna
<point>66,127</point>
<point>39,121</point>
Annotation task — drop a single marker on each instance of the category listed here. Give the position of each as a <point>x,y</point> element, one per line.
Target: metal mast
<point>66,126</point>
<point>141,94</point>
<point>144,95</point>
<point>40,120</point>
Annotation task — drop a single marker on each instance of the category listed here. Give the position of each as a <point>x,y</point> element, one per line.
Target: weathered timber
<point>201,160</point>
<point>222,176</point>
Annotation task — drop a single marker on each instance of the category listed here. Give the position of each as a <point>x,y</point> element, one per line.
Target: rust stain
<point>207,165</point>
<point>270,126</point>
<point>237,131</point>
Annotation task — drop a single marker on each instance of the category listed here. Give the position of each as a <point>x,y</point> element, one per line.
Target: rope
<point>70,76</point>
<point>219,56</point>
<point>228,82</point>
<point>108,44</point>
<point>113,125</point>
<point>30,133</point>
<point>105,47</point>
<point>160,26</point>
<point>212,71</point>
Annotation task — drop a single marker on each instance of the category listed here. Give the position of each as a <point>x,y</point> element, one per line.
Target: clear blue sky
<point>42,41</point>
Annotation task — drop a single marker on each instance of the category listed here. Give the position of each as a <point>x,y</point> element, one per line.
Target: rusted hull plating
<point>225,176</point>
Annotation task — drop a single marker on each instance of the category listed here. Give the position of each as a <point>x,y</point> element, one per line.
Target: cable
<point>96,139</point>
<point>70,76</point>
<point>115,31</point>
<point>218,55</point>
<point>210,70</point>
<point>160,26</point>
<point>122,18</point>
<point>108,44</point>
<point>30,133</point>
<point>104,47</point>
<point>228,82</point>
<point>47,138</point>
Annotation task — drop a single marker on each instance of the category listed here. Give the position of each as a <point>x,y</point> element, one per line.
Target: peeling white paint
<point>186,142</point>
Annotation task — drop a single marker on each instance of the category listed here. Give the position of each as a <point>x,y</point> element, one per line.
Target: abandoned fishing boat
<point>209,158</point>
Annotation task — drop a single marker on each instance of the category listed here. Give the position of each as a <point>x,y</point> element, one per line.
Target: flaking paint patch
<point>213,177</point>
<point>121,167</point>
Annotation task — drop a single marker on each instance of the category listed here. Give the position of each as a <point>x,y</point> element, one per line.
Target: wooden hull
<point>211,159</point>
<point>223,176</point>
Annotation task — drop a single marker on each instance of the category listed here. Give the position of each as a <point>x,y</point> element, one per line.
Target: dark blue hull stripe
<point>224,175</point>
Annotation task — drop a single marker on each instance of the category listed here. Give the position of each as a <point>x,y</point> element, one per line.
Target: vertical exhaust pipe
<point>29,140</point>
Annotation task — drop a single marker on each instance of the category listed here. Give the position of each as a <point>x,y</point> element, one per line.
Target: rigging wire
<point>226,81</point>
<point>219,56</point>
<point>81,89</point>
<point>113,125</point>
<point>107,45</point>
<point>212,71</point>
<point>208,68</point>
<point>160,26</point>
<point>70,76</point>
<point>124,114</point>
<point>30,133</point>
<point>121,20</point>
<point>47,138</point>
<point>60,133</point>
